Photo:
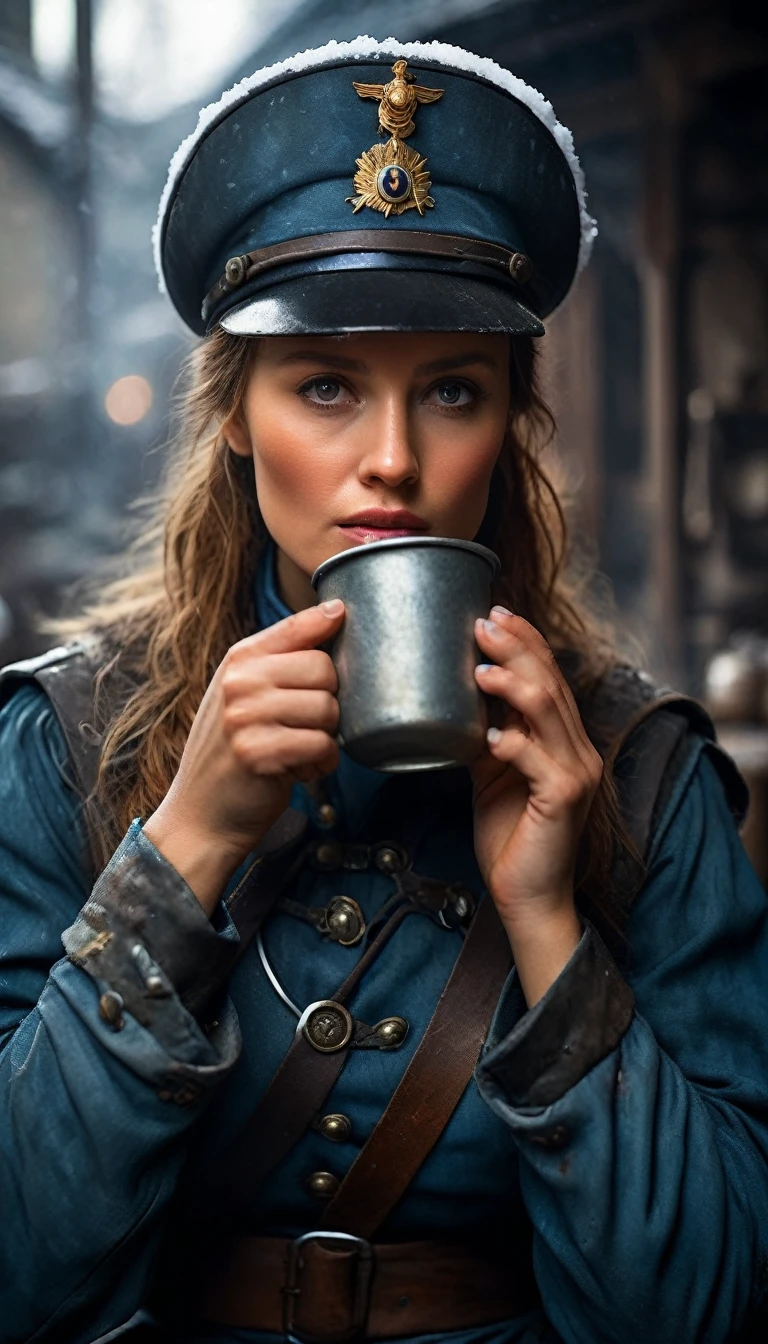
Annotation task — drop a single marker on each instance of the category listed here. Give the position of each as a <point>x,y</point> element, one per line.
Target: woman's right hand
<point>268,719</point>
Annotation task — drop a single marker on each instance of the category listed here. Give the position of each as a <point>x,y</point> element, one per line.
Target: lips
<point>386,518</point>
<point>383,524</point>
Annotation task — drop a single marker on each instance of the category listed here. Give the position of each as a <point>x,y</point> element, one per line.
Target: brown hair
<point>186,596</point>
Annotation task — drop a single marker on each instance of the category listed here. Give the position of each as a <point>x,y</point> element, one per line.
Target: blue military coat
<point>645,1179</point>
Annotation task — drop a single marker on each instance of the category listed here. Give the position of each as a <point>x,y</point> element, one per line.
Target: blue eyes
<point>329,392</point>
<point>327,389</point>
<point>450,394</point>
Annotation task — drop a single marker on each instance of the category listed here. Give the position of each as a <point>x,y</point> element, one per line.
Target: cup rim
<point>399,543</point>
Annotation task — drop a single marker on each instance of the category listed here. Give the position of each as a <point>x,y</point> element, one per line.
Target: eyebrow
<point>445,365</point>
<point>325,357</point>
<point>451,362</point>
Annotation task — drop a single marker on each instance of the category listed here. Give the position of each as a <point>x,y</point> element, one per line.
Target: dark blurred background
<point>657,367</point>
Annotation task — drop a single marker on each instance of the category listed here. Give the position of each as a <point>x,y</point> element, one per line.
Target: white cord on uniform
<point>273,980</point>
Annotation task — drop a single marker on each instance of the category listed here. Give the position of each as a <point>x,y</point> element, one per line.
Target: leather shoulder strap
<point>653,755</point>
<point>646,732</point>
<point>621,699</point>
<point>67,677</point>
<point>432,1085</point>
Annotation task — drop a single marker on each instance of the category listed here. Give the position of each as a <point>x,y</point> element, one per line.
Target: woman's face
<point>362,437</point>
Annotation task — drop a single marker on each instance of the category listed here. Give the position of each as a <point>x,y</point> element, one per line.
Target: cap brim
<point>336,302</point>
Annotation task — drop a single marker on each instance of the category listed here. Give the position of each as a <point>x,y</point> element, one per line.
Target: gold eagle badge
<point>393,177</point>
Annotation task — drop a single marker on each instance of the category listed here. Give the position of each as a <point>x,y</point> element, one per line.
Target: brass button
<point>329,854</point>
<point>344,920</point>
<point>326,1025</point>
<point>111,1009</point>
<point>391,1032</point>
<point>459,908</point>
<point>390,860</point>
<point>326,814</point>
<point>337,1128</point>
<point>322,1184</point>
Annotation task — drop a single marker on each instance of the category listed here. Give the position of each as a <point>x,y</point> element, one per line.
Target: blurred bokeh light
<point>128,399</point>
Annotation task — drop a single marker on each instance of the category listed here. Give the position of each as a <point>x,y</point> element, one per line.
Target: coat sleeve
<point>105,1062</point>
<point>643,1131</point>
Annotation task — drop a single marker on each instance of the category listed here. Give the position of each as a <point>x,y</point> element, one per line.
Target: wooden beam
<point>659,280</point>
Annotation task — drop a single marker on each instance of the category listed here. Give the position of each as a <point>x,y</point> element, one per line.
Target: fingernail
<point>504,610</point>
<point>494,735</point>
<point>490,627</point>
<point>334,607</point>
<point>484,667</point>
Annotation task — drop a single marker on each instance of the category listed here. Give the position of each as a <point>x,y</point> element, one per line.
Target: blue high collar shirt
<point>643,1180</point>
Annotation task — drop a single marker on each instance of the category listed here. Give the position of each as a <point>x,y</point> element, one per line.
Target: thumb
<point>303,630</point>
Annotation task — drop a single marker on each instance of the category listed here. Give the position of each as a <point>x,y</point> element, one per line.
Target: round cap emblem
<point>327,1026</point>
<point>393,183</point>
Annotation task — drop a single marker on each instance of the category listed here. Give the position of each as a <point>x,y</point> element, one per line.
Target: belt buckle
<point>360,1297</point>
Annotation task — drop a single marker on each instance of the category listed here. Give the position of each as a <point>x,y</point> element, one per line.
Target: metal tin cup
<point>406,652</point>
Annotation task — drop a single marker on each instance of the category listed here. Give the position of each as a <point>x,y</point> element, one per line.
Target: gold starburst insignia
<point>393,177</point>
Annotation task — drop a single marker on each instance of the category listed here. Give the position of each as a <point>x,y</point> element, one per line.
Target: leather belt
<point>333,1288</point>
<point>448,246</point>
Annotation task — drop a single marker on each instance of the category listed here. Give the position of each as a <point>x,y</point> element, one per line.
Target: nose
<point>389,454</point>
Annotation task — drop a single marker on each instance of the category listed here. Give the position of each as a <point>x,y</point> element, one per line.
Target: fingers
<point>515,747</point>
<point>527,678</point>
<point>276,749</point>
<point>246,671</point>
<point>555,788</point>
<point>303,630</point>
<point>535,702</point>
<point>538,645</point>
<point>309,670</point>
<point>278,704</point>
<point>291,708</point>
<point>516,638</point>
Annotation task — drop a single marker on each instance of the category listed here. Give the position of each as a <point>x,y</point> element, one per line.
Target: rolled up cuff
<point>579,1021</point>
<point>144,933</point>
<point>182,1065</point>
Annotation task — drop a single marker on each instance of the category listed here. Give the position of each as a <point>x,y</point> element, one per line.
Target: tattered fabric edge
<point>359,49</point>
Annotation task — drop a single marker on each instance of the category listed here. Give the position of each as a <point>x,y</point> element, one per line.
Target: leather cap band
<point>514,266</point>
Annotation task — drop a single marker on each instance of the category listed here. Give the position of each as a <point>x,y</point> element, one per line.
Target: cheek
<point>457,480</point>
<point>296,474</point>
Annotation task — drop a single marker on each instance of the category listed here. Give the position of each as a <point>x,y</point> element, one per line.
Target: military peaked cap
<point>374,186</point>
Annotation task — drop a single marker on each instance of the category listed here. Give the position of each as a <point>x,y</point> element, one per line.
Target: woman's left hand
<point>533,790</point>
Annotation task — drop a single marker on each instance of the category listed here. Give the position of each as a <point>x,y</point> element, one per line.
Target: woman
<point>172,1144</point>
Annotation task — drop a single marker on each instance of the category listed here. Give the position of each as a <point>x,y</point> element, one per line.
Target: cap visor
<point>332,303</point>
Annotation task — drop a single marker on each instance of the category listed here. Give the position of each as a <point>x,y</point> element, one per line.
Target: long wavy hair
<point>185,595</point>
